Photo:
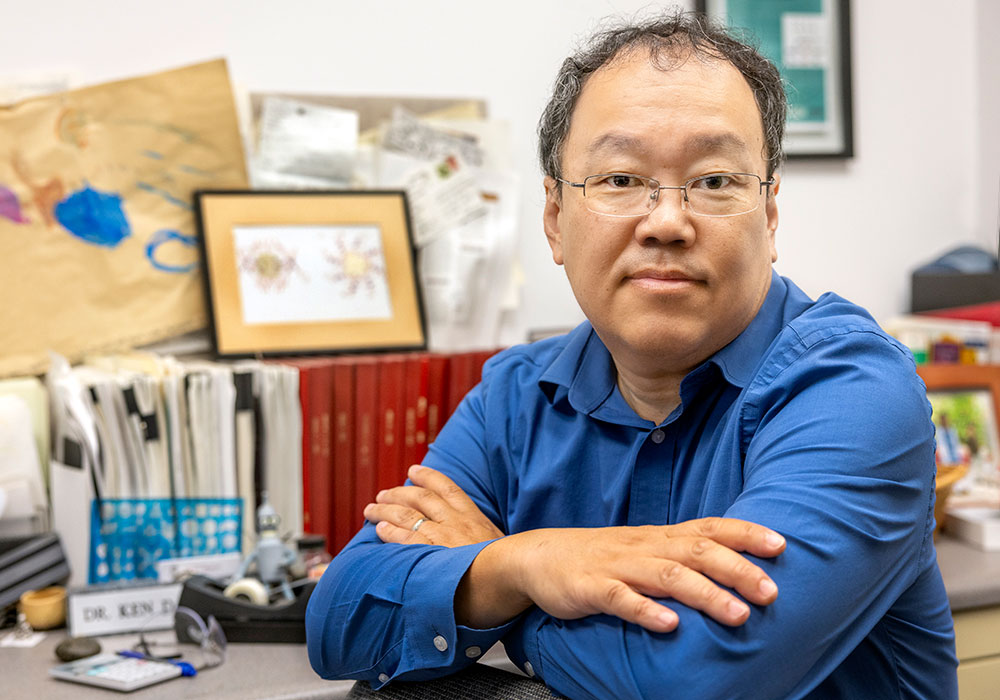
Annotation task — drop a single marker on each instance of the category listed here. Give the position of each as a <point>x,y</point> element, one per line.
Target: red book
<point>460,379</point>
<point>316,397</point>
<point>437,395</point>
<point>345,523</point>
<point>365,430</point>
<point>417,390</point>
<point>391,420</point>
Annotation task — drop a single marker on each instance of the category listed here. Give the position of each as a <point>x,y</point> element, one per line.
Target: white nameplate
<point>115,610</point>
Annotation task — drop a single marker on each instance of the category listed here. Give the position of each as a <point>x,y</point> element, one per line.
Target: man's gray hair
<point>669,40</point>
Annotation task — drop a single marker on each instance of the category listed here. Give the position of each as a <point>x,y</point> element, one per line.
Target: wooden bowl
<point>947,476</point>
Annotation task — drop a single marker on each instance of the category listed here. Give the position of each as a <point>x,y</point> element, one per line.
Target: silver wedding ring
<point>417,524</point>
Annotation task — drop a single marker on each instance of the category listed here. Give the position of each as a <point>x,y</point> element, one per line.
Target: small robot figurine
<point>272,557</point>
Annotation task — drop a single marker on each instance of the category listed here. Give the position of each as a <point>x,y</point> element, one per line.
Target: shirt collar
<point>740,358</point>
<point>583,371</point>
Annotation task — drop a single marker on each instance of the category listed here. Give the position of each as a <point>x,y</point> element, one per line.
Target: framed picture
<point>965,400</point>
<point>810,43</point>
<point>309,271</point>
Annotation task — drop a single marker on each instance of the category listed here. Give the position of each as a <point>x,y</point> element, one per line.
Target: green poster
<point>793,34</point>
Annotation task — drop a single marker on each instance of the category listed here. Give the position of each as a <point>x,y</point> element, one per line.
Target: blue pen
<point>186,668</point>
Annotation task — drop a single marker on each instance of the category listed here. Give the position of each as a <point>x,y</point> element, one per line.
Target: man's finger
<point>387,532</point>
<point>738,535</point>
<point>419,499</point>
<point>443,486</point>
<point>720,564</point>
<point>400,516</point>
<point>618,599</point>
<point>660,579</point>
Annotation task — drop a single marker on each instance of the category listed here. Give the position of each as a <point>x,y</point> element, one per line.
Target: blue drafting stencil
<point>129,535</point>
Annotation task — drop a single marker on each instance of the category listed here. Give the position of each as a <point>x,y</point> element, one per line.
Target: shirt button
<point>657,436</point>
<point>382,678</point>
<point>473,652</point>
<point>440,643</point>
<point>528,669</point>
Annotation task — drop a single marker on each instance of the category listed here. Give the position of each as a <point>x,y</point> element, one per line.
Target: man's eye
<point>714,182</point>
<point>620,181</point>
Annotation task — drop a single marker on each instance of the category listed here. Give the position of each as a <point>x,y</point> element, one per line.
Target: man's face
<point>669,288</point>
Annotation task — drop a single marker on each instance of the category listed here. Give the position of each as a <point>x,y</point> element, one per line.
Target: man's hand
<point>575,572</point>
<point>572,573</point>
<point>449,517</point>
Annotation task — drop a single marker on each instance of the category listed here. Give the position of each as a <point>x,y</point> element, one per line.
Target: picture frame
<point>965,400</point>
<point>309,272</point>
<point>810,43</point>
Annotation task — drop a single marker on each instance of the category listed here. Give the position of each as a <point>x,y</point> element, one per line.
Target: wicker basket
<point>947,476</point>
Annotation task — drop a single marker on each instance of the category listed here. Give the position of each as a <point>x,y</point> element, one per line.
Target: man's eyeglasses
<point>715,194</point>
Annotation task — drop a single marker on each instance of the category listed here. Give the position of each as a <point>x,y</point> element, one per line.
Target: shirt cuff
<point>522,642</point>
<point>431,638</point>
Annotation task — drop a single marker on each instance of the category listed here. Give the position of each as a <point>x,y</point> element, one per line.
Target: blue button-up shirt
<point>811,422</point>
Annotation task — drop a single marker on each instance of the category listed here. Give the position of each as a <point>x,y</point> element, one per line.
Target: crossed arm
<point>571,573</point>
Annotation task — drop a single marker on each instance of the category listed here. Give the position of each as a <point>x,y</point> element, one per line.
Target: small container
<point>45,608</point>
<point>312,552</point>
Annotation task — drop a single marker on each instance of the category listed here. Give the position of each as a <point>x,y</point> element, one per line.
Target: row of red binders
<point>365,420</point>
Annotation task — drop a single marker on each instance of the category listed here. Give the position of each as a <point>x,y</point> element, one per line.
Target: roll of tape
<point>249,589</point>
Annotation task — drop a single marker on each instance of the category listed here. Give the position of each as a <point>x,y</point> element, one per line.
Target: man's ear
<point>550,218</point>
<point>771,207</point>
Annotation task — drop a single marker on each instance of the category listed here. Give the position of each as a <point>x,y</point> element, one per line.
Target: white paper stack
<point>977,526</point>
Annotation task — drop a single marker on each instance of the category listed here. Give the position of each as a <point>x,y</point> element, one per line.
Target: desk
<point>972,579</point>
<point>252,671</point>
<point>282,671</point>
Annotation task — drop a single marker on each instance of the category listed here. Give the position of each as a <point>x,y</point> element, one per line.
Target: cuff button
<point>440,643</point>
<point>473,652</point>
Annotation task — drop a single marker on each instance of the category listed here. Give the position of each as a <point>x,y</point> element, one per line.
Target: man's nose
<point>670,220</point>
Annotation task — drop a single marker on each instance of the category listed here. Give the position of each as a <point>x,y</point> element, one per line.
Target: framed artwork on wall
<point>810,43</point>
<point>301,272</point>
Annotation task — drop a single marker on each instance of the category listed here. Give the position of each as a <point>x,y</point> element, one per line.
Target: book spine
<point>391,420</point>
<point>418,385</point>
<point>437,394</point>
<point>345,524</point>
<point>319,489</point>
<point>366,417</point>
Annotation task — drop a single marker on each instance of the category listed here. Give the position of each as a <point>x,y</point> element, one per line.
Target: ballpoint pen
<point>186,668</point>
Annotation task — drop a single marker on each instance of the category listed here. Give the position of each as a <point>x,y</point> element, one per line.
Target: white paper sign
<point>98,611</point>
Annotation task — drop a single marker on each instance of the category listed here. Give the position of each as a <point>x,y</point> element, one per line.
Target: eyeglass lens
<point>209,636</point>
<point>716,194</point>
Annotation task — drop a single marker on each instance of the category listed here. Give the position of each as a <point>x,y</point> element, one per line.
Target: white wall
<point>857,227</point>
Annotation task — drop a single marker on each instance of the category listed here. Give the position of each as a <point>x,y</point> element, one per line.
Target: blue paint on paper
<point>160,192</point>
<point>94,217</point>
<point>165,236</point>
<point>153,154</point>
<point>191,170</point>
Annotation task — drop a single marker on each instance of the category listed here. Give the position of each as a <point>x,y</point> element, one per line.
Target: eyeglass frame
<point>685,201</point>
<point>210,646</point>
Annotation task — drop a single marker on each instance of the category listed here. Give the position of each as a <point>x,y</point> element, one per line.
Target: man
<point>607,503</point>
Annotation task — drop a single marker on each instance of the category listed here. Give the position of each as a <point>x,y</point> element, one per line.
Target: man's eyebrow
<point>615,142</point>
<point>726,141</point>
<point>700,143</point>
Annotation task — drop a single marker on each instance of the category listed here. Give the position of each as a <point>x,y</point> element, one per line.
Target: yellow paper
<point>98,248</point>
